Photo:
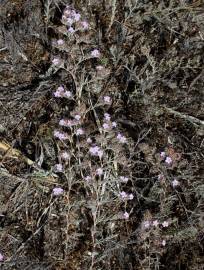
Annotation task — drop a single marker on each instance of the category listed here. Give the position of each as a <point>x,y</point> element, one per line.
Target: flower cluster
<point>61,92</point>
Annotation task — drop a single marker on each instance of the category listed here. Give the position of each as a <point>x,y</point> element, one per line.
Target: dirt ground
<point>154,70</point>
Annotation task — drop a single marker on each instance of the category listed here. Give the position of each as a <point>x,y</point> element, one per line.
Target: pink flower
<point>60,42</point>
<point>57,191</point>
<point>107,99</point>
<point>71,30</point>
<point>168,160</point>
<point>59,167</point>
<point>1,257</point>
<point>95,53</point>
<point>85,25</point>
<point>155,223</point>
<point>165,224</point>
<point>123,179</point>
<point>79,131</point>
<point>175,183</point>
<point>56,61</point>
<point>126,215</point>
<point>65,156</point>
<point>99,171</point>
<point>121,138</point>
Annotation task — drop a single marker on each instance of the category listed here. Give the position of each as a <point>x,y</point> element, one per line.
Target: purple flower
<point>114,124</point>
<point>88,178</point>
<point>126,215</point>
<point>76,16</point>
<point>121,138</point>
<point>96,151</point>
<point>57,191</point>
<point>60,42</point>
<point>165,224</point>
<point>107,99</point>
<point>123,195</point>
<point>123,179</point>
<point>77,117</point>
<point>146,224</point>
<point>162,154</point>
<point>59,167</point>
<point>89,140</point>
<point>175,183</point>
<point>95,53</point>
<point>106,126</point>
<point>99,171</point>
<point>67,94</point>
<point>168,160</point>
<point>155,223</point>
<point>60,135</point>
<point>56,61</point>
<point>1,257</point>
<point>107,116</point>
<point>79,131</point>
<point>71,30</point>
<point>85,25</point>
<point>70,21</point>
<point>65,156</point>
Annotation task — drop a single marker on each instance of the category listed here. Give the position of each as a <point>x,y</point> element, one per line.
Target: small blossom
<point>57,191</point>
<point>99,67</point>
<point>1,257</point>
<point>60,135</point>
<point>165,224</point>
<point>123,179</point>
<point>67,12</point>
<point>60,42</point>
<point>89,140</point>
<point>155,223</point>
<point>56,61</point>
<point>95,53</point>
<point>107,116</point>
<point>85,25</point>
<point>163,243</point>
<point>106,126</point>
<point>59,167</point>
<point>107,99</point>
<point>121,138</point>
<point>114,124</point>
<point>175,183</point>
<point>162,154</point>
<point>65,156</point>
<point>131,196</point>
<point>62,122</point>
<point>99,171</point>
<point>146,224</point>
<point>123,195</point>
<point>67,94</point>
<point>88,178</point>
<point>76,16</point>
<point>100,153</point>
<point>168,160</point>
<point>126,215</point>
<point>70,21</point>
<point>77,117</point>
<point>71,30</point>
<point>79,131</point>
